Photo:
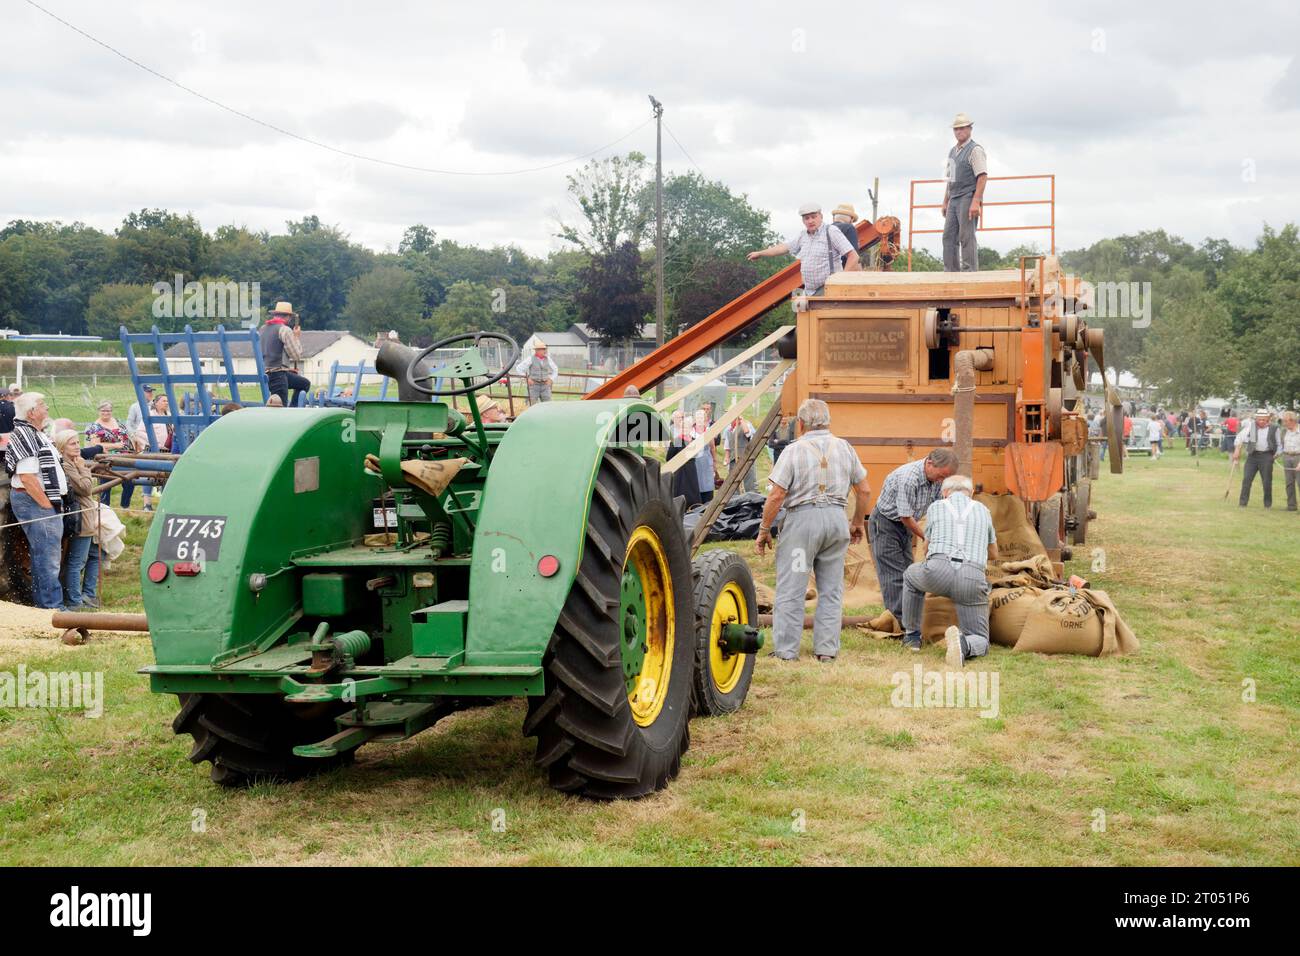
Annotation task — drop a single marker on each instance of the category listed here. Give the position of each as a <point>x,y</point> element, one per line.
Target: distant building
<point>320,349</point>
<point>614,356</point>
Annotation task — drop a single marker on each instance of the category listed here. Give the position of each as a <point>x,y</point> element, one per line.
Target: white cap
<point>809,208</point>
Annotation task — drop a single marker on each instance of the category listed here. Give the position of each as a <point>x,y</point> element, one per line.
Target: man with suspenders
<point>963,199</point>
<point>812,480</point>
<point>960,538</point>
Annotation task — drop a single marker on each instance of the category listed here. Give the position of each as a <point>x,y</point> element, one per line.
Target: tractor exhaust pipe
<point>967,362</point>
<point>393,360</point>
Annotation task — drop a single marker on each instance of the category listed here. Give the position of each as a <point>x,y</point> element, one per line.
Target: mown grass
<point>818,768</point>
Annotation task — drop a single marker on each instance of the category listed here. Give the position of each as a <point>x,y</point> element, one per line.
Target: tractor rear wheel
<point>724,594</point>
<point>613,720</point>
<point>250,737</point>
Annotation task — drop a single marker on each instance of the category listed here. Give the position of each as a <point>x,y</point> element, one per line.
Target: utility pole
<point>659,230</point>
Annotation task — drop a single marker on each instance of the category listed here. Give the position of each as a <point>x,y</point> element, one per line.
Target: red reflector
<point>548,565</point>
<point>157,572</point>
<point>186,569</point>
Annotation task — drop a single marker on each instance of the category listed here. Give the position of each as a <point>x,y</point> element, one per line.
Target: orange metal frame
<point>712,331</point>
<point>913,205</point>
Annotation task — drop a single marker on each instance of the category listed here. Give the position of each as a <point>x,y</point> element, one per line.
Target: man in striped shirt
<point>906,494</point>
<point>38,485</point>
<point>960,538</point>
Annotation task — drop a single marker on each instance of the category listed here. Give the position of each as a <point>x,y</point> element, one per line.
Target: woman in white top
<point>1155,435</point>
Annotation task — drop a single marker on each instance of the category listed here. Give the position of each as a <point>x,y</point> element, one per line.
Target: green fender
<point>282,481</point>
<point>535,503</point>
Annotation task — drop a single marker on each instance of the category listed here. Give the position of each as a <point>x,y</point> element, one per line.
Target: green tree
<point>1189,353</point>
<point>386,298</point>
<point>153,245</point>
<point>1270,373</point>
<point>609,194</point>
<point>467,308</point>
<point>315,266</point>
<point>118,304</point>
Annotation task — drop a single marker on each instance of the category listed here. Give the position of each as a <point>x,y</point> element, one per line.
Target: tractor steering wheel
<point>414,380</point>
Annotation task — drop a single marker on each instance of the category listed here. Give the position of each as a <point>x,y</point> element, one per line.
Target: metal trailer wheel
<point>724,595</point>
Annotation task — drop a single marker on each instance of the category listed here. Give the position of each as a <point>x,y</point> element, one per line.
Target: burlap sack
<point>766,597</point>
<point>938,615</point>
<point>432,477</point>
<point>1036,572</point>
<point>1017,539</point>
<point>882,627</point>
<point>1059,622</point>
<point>1008,608</point>
<point>1117,638</point>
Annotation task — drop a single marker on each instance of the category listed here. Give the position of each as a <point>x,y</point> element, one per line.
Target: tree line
<point>1220,316</point>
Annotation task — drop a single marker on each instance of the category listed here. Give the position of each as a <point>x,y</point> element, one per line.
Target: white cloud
<point>1147,113</point>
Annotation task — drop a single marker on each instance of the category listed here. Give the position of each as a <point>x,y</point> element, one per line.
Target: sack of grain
<point>937,616</point>
<point>1059,622</point>
<point>1017,539</point>
<point>1008,608</point>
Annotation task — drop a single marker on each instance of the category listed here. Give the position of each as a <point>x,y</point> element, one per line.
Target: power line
<point>326,146</point>
<point>683,149</point>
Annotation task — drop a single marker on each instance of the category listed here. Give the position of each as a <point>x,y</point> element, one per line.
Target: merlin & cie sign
<point>864,346</point>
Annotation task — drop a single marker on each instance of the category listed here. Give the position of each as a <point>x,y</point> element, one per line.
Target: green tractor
<point>318,579</point>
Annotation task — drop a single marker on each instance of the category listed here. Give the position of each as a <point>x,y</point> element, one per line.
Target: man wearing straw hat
<point>1260,441</point>
<point>963,198</point>
<point>282,353</point>
<point>489,411</point>
<point>843,218</point>
<point>539,371</point>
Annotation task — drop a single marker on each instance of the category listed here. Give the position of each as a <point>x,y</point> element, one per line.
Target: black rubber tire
<point>713,571</point>
<point>587,739</point>
<point>249,738</point>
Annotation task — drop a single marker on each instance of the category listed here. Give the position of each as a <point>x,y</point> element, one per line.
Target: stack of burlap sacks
<point>1028,609</point>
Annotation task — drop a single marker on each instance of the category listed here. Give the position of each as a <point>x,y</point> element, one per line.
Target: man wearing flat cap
<point>963,198</point>
<point>821,250</point>
<point>1259,440</point>
<point>282,354</point>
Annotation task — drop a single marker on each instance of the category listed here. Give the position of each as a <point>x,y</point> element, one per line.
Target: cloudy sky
<point>1179,115</point>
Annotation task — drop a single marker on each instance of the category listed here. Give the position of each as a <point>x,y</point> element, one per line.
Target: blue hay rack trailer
<point>332,395</point>
<point>192,413</point>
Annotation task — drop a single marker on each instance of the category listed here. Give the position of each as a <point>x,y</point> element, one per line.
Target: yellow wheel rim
<point>730,608</point>
<point>647,561</point>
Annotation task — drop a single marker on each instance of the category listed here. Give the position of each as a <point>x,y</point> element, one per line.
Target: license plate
<point>191,538</point>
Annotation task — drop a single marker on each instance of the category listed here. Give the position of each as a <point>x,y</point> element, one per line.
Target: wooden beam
<point>690,451</point>
<point>695,386</point>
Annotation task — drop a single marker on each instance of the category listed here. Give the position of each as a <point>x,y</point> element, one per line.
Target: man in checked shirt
<point>906,494</point>
<point>819,249</point>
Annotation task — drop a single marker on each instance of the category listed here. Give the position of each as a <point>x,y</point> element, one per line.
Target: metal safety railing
<point>1049,202</point>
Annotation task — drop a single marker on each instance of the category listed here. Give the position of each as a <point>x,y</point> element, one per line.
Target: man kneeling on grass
<point>959,537</point>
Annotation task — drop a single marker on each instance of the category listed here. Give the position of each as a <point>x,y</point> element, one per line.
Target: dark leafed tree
<point>612,294</point>
<point>711,284</point>
<point>609,196</point>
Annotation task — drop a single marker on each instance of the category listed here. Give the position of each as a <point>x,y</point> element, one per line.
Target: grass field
<point>1158,758</point>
